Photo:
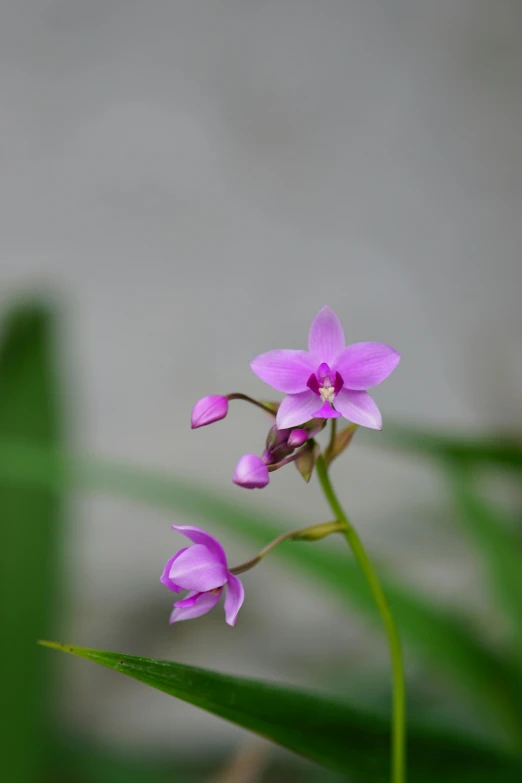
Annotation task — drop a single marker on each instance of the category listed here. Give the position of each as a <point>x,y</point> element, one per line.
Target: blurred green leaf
<point>84,762</point>
<point>78,760</point>
<point>29,525</point>
<point>501,450</point>
<point>437,634</point>
<point>319,728</point>
<point>499,545</point>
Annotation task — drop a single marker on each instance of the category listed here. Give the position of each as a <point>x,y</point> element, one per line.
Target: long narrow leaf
<point>501,450</point>
<point>29,527</point>
<point>499,546</point>
<point>319,728</point>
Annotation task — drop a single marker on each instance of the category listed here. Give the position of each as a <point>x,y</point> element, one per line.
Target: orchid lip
<point>321,383</point>
<point>327,411</point>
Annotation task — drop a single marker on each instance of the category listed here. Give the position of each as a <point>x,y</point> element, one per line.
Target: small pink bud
<point>208,410</point>
<point>251,472</point>
<point>297,438</point>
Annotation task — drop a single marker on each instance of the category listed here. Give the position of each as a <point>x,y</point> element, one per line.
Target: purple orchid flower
<point>202,569</point>
<point>330,379</point>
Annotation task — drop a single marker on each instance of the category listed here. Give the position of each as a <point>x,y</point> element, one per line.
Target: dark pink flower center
<point>325,384</point>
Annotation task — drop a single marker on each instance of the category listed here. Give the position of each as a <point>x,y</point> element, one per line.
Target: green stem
<point>310,533</point>
<point>398,735</point>
<point>251,400</point>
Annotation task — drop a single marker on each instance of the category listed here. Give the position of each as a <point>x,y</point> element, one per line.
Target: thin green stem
<point>311,533</point>
<point>251,400</point>
<point>398,735</point>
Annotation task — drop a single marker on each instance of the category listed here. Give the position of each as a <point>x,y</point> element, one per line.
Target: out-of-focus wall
<point>194,180</point>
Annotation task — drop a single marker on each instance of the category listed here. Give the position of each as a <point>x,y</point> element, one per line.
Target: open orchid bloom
<point>330,379</point>
<point>202,570</point>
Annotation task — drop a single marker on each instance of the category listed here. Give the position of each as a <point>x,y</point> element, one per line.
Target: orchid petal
<point>189,599</point>
<point>203,604</point>
<point>326,337</point>
<point>165,578</point>
<point>285,370</point>
<point>313,383</point>
<point>364,365</point>
<point>359,407</point>
<point>198,536</point>
<point>296,409</point>
<point>198,569</point>
<point>234,599</point>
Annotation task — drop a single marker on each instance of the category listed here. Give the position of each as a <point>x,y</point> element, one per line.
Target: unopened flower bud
<point>276,438</point>
<point>297,437</point>
<point>251,472</point>
<point>209,409</point>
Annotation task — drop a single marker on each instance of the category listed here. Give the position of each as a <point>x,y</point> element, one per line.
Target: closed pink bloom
<point>251,472</point>
<point>329,380</point>
<point>202,570</point>
<point>297,437</point>
<point>208,410</point>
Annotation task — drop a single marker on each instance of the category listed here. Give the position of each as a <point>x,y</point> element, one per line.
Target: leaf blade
<point>499,546</point>
<point>503,450</point>
<point>30,526</point>
<point>319,728</point>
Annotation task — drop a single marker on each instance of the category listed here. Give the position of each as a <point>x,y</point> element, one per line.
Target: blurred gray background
<point>192,181</point>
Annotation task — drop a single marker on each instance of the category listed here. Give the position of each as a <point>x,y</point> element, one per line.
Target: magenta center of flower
<point>325,383</point>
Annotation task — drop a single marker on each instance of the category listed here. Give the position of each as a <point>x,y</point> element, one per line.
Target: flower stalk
<point>252,401</point>
<point>311,533</point>
<point>398,735</point>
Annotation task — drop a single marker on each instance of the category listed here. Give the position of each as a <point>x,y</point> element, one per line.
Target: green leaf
<point>438,635</point>
<point>501,450</point>
<point>499,546</point>
<point>30,528</point>
<point>319,728</point>
<point>71,759</point>
<point>76,758</point>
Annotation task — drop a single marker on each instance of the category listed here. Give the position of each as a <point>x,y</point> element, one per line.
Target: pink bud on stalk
<point>251,472</point>
<point>208,410</point>
<point>297,437</point>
